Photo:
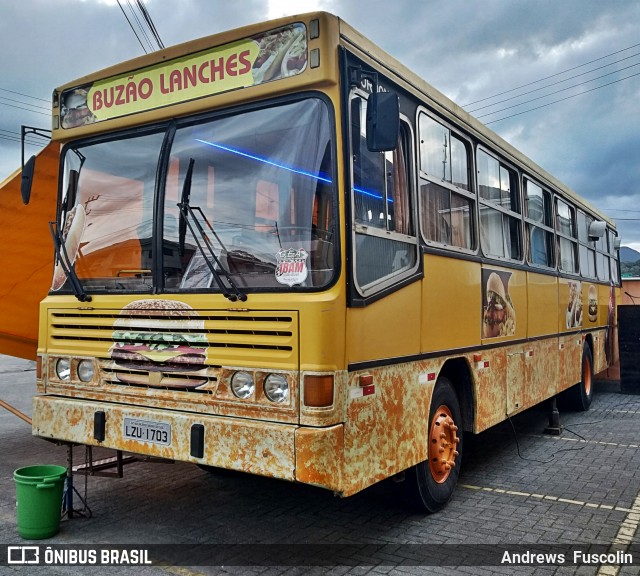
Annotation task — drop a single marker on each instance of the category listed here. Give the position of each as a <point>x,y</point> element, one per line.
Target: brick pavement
<point>580,488</point>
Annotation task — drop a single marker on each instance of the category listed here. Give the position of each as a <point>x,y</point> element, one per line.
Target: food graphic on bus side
<point>75,110</point>
<point>499,317</point>
<point>74,225</point>
<point>574,307</point>
<point>160,336</point>
<point>592,303</point>
<point>281,54</point>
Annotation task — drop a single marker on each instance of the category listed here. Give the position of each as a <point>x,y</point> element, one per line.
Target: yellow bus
<point>279,251</point>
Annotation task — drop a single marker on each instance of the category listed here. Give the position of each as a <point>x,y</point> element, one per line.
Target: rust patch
<point>320,457</point>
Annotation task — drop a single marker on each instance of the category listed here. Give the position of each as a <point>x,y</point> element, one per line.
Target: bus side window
<point>567,237</point>
<point>499,208</point>
<point>447,210</point>
<point>385,243</point>
<point>538,224</point>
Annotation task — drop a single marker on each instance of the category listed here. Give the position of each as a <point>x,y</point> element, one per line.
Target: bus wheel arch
<point>458,372</point>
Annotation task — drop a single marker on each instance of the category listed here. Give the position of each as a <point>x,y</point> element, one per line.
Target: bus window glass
<point>262,191</point>
<point>587,262</point>
<point>567,239</point>
<point>567,255</point>
<point>492,231</point>
<point>508,190</point>
<point>612,242</point>
<point>536,203</point>
<point>461,214</point>
<point>437,226</point>
<point>500,229</point>
<point>446,216</point>
<point>613,264</point>
<point>565,219</point>
<point>115,195</point>
<point>434,149</point>
<point>368,173</point>
<point>583,226</point>
<point>539,246</point>
<point>512,237</point>
<point>459,164</point>
<point>489,177</point>
<point>586,248</point>
<point>539,226</point>
<point>602,266</point>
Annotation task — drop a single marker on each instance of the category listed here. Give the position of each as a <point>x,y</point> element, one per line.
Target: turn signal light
<point>318,391</point>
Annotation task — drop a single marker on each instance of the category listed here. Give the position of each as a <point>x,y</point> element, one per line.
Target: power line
<point>551,76</point>
<point>132,27</point>
<point>140,26</point>
<point>146,21</point>
<point>560,82</point>
<point>563,99</point>
<point>25,95</point>
<point>152,27</point>
<point>558,91</point>
<point>27,109</point>
<point>25,103</point>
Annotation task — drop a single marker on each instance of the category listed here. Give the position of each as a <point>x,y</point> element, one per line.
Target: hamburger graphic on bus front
<point>154,337</point>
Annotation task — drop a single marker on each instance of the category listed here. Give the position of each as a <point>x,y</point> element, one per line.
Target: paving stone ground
<point>519,489</point>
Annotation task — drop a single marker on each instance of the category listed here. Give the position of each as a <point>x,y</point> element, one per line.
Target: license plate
<point>147,431</point>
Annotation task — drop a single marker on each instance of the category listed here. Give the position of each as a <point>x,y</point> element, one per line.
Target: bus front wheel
<point>430,484</point>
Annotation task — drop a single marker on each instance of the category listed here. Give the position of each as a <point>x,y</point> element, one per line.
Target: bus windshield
<point>245,199</point>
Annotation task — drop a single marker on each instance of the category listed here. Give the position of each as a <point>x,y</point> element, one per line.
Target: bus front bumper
<point>285,451</point>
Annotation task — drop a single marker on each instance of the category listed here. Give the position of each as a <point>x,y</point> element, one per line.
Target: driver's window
<point>385,240</point>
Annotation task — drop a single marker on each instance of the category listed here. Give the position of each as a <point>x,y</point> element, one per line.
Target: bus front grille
<point>160,349</point>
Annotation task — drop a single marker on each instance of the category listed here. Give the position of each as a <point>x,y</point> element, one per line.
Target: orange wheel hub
<point>443,444</point>
<point>586,376</point>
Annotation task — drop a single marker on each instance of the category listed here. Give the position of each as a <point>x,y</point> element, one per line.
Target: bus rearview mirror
<point>27,179</point>
<point>597,229</point>
<point>383,121</point>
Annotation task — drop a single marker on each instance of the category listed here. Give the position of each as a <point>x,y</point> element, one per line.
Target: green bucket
<point>39,500</point>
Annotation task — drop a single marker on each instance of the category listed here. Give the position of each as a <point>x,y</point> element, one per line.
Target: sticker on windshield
<point>292,266</point>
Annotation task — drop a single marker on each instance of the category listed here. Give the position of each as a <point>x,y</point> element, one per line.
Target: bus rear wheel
<point>430,484</point>
<point>581,394</point>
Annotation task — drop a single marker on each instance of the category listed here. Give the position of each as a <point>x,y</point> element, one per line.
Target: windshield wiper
<point>187,213</point>
<point>68,267</point>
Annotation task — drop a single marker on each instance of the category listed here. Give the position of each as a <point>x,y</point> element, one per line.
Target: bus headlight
<point>85,370</point>
<point>63,368</point>
<point>242,385</point>
<point>276,388</point>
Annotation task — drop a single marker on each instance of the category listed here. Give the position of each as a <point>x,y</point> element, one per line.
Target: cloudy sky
<point>581,123</point>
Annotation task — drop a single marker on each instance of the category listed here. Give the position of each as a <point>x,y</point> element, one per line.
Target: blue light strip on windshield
<point>372,195</point>
<point>288,168</point>
<point>265,161</point>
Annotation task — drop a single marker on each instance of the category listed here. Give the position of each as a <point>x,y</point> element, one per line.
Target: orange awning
<point>26,253</point>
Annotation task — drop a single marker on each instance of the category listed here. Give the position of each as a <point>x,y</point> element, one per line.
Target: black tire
<point>428,486</point>
<point>579,396</point>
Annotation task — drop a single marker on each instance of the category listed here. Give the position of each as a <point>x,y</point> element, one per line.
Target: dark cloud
<point>468,50</point>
